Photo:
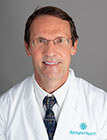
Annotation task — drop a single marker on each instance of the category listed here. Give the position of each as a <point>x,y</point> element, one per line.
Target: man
<point>52,104</point>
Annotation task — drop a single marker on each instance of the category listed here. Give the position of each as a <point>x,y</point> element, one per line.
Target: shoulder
<point>86,87</point>
<point>10,100</point>
<point>90,89</point>
<point>93,96</point>
<point>15,92</point>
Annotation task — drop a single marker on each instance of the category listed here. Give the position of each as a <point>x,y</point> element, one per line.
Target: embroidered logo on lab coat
<point>83,126</point>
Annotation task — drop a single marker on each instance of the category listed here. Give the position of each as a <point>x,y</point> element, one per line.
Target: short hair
<point>53,11</point>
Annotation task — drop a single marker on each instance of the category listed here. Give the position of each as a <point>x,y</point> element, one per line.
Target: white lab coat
<point>20,117</point>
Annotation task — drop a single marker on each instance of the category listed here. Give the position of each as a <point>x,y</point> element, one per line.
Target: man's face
<point>50,62</point>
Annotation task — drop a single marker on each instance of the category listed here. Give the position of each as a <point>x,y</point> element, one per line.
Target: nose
<point>50,49</point>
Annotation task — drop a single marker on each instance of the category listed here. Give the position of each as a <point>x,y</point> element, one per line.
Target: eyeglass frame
<point>48,40</point>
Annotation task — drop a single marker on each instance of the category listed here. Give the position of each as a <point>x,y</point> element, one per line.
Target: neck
<point>50,85</point>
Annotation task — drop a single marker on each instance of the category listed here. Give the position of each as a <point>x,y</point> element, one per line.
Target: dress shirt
<point>59,94</point>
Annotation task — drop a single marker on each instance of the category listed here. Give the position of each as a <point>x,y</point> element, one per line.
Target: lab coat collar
<point>33,112</point>
<point>69,114</point>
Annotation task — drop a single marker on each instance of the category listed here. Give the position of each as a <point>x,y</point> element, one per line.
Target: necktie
<point>49,119</point>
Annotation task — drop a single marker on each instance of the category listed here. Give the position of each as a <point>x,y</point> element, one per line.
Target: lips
<point>51,63</point>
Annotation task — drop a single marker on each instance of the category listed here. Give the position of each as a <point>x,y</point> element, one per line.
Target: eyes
<point>56,40</point>
<point>59,42</point>
<point>41,41</point>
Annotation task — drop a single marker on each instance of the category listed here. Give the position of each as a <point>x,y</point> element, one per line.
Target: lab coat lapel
<point>69,115</point>
<point>33,114</point>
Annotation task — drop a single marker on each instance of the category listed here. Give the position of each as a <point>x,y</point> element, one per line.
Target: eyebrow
<point>40,37</point>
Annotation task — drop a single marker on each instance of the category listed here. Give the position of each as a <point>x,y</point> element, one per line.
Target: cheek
<point>66,55</point>
<point>36,57</point>
<point>67,60</point>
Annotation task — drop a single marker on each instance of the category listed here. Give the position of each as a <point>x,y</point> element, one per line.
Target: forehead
<point>47,25</point>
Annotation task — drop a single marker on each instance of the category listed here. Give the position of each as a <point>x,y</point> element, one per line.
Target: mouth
<point>51,63</point>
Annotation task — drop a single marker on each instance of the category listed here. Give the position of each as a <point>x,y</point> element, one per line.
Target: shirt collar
<point>59,93</point>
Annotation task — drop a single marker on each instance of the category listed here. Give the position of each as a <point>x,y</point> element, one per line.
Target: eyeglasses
<point>58,42</point>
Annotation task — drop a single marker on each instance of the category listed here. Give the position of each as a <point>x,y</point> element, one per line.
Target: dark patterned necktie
<point>49,119</point>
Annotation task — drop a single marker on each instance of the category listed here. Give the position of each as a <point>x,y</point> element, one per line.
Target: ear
<point>27,49</point>
<point>74,48</point>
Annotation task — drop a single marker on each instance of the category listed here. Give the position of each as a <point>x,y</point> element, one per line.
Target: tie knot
<point>49,102</point>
